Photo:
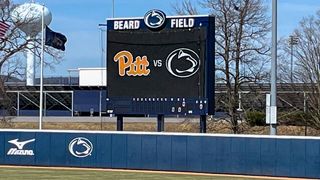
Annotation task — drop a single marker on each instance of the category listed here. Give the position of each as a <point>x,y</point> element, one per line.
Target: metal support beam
<point>45,104</point>
<point>72,110</point>
<point>59,102</point>
<point>203,124</point>
<point>29,100</point>
<point>160,122</point>
<point>100,103</point>
<point>305,111</point>
<point>18,104</point>
<point>119,123</point>
<point>304,102</point>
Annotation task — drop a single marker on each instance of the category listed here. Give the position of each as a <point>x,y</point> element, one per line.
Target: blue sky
<point>79,19</point>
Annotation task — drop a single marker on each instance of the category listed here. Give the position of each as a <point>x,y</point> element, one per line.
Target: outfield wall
<point>235,154</point>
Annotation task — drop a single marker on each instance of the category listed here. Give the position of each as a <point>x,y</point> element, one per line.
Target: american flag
<point>3,29</point>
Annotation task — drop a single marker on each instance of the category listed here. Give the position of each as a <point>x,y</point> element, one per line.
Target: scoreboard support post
<point>160,122</point>
<point>203,124</point>
<point>119,122</point>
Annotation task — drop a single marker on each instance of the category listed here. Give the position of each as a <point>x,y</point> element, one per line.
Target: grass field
<point>16,173</point>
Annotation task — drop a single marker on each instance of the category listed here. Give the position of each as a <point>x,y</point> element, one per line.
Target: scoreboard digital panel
<point>160,65</point>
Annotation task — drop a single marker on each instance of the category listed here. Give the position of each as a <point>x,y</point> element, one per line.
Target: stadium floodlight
<point>293,40</point>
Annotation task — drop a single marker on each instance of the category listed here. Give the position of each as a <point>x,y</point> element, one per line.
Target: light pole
<point>102,28</point>
<point>273,93</point>
<point>293,40</point>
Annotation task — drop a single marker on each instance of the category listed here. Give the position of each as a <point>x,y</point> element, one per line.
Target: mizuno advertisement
<point>19,147</point>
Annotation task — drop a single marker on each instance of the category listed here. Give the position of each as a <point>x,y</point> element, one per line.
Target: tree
<point>242,45</point>
<point>185,7</point>
<point>12,47</point>
<point>307,70</point>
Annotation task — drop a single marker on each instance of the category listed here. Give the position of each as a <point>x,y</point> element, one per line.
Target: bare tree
<point>307,65</point>
<point>242,45</point>
<point>283,74</point>
<point>12,47</point>
<point>185,7</point>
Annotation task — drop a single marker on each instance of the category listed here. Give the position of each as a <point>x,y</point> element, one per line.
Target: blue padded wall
<point>251,155</point>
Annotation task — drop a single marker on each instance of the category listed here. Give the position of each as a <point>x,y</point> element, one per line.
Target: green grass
<point>15,173</point>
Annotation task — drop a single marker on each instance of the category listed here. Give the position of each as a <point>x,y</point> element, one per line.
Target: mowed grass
<point>15,173</point>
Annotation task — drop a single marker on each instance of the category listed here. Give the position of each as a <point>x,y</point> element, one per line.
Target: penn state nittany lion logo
<point>155,19</point>
<point>80,147</point>
<point>183,62</point>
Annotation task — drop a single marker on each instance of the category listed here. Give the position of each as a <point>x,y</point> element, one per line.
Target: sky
<point>78,20</point>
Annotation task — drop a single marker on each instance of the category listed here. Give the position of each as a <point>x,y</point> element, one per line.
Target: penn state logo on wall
<point>183,63</point>
<point>80,147</point>
<point>155,19</point>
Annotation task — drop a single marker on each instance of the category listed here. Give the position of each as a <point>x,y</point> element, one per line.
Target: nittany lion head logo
<point>155,19</point>
<point>80,147</point>
<point>183,62</point>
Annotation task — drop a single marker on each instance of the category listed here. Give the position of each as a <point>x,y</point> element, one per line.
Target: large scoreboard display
<point>160,65</point>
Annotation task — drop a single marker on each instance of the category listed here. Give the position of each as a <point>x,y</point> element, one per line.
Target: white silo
<point>28,18</point>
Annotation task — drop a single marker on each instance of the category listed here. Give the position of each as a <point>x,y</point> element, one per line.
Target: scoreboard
<point>160,65</point>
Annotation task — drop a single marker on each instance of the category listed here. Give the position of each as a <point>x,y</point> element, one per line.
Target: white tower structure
<point>28,17</point>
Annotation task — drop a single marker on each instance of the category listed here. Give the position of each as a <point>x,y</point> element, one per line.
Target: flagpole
<point>41,68</point>
<point>112,8</point>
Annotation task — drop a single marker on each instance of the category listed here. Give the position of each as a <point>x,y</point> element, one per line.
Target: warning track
<point>148,171</point>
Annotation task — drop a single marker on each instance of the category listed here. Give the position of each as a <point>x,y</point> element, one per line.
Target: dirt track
<point>158,172</point>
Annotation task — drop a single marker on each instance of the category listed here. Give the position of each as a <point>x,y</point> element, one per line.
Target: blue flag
<point>54,39</point>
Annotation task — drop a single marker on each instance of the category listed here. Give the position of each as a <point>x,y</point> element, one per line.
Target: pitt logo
<point>128,67</point>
